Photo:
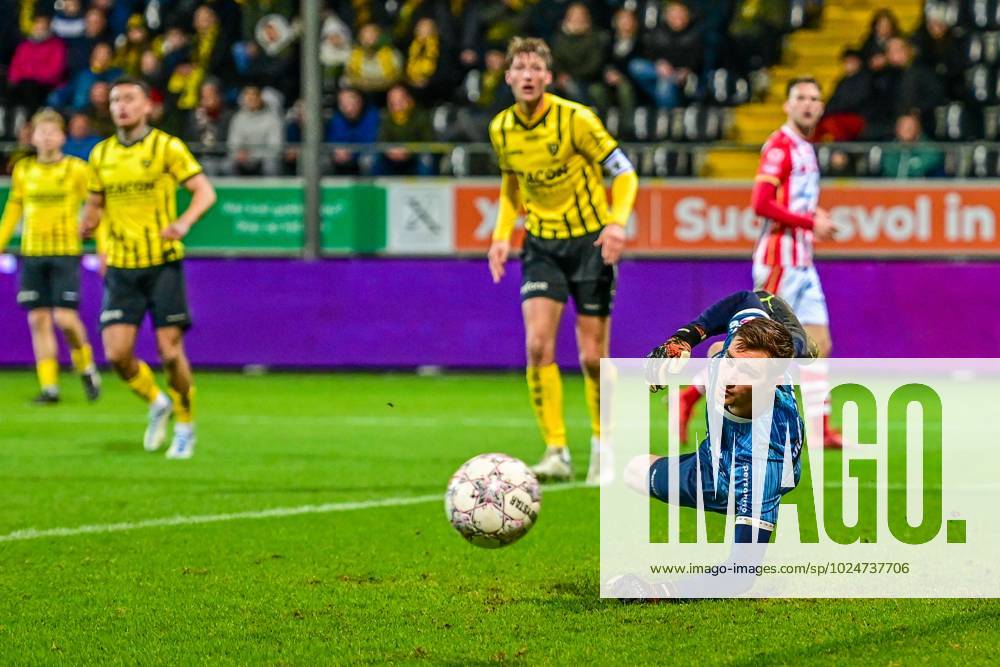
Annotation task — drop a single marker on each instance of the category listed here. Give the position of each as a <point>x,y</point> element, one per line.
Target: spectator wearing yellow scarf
<point>373,65</point>
<point>424,53</point>
<point>128,53</point>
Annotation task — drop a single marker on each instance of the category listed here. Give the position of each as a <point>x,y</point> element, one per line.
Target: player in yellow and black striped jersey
<point>553,154</point>
<point>139,184</point>
<point>133,188</point>
<point>46,193</point>
<point>556,160</point>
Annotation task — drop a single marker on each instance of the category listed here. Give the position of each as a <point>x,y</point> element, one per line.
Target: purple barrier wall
<point>396,312</point>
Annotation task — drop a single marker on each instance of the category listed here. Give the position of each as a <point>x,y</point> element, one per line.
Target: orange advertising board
<point>946,219</point>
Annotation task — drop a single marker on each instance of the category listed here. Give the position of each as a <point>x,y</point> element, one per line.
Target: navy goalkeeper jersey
<point>779,465</point>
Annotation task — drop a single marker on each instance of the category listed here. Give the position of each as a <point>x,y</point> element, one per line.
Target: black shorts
<point>560,268</point>
<point>129,293</point>
<point>50,282</point>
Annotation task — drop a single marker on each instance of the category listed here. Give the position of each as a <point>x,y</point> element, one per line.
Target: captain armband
<point>617,163</point>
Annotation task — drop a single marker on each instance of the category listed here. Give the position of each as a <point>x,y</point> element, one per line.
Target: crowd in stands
<point>225,74</point>
<point>939,83</point>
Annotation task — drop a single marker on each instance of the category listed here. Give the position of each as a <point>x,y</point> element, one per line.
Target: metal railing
<point>980,159</point>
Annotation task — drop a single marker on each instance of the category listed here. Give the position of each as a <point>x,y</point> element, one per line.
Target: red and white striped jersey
<point>788,161</point>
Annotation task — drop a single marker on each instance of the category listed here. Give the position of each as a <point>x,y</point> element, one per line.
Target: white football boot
<point>182,446</point>
<point>555,465</point>
<point>156,427</point>
<point>601,470</point>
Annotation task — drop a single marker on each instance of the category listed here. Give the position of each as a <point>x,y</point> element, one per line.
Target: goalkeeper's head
<point>760,339</point>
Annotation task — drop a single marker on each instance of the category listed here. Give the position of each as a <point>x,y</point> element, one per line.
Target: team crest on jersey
<point>553,148</point>
<point>146,163</point>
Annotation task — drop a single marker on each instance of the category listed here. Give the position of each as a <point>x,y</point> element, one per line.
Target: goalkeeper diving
<point>758,325</point>
<point>750,456</point>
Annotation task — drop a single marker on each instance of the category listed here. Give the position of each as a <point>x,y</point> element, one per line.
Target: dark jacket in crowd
<point>851,94</point>
<point>580,56</point>
<point>683,49</point>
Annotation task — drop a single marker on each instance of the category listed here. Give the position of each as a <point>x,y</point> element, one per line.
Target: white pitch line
<point>275,512</point>
<point>269,420</point>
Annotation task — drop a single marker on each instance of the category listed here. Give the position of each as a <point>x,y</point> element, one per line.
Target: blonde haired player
<point>552,153</point>
<point>133,186</point>
<point>46,192</point>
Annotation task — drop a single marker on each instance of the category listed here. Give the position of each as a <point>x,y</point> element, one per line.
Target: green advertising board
<point>354,218</point>
<point>264,217</point>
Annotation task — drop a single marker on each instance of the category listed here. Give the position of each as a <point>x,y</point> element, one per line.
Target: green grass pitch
<point>369,584</point>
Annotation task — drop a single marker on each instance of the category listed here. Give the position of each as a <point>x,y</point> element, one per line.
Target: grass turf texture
<point>392,584</point>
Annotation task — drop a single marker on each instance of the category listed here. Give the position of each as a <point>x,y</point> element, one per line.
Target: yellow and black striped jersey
<point>556,157</point>
<point>139,184</point>
<point>47,197</point>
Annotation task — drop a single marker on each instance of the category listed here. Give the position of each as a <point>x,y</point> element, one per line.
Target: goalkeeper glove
<point>677,352</point>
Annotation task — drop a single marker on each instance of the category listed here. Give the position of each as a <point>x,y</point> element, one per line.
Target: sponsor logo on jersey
<point>544,175</point>
<point>129,188</point>
<point>47,197</point>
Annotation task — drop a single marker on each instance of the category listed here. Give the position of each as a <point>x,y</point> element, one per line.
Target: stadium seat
<point>663,162</point>
<point>711,124</point>
<point>982,48</point>
<point>991,123</point>
<point>444,120</point>
<point>952,166</point>
<point>6,123</point>
<point>981,84</point>
<point>455,162</point>
<point>823,153</point>
<point>651,124</point>
<point>984,162</point>
<point>692,88</point>
<point>612,121</point>
<point>983,14</point>
<point>726,89</point>
<point>956,12</point>
<point>462,162</point>
<point>681,163</point>
<point>634,155</point>
<point>871,165</point>
<point>692,123</point>
<point>956,121</point>
<point>648,13</point>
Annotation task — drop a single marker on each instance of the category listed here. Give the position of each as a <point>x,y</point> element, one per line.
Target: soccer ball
<point>493,500</point>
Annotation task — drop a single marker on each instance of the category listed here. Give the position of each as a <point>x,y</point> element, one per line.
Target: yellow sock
<point>143,384</point>
<point>83,359</point>
<point>48,373</point>
<point>545,385</point>
<point>592,393</point>
<point>183,406</point>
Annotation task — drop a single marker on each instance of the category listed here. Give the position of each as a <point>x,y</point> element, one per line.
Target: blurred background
<point>361,245</point>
